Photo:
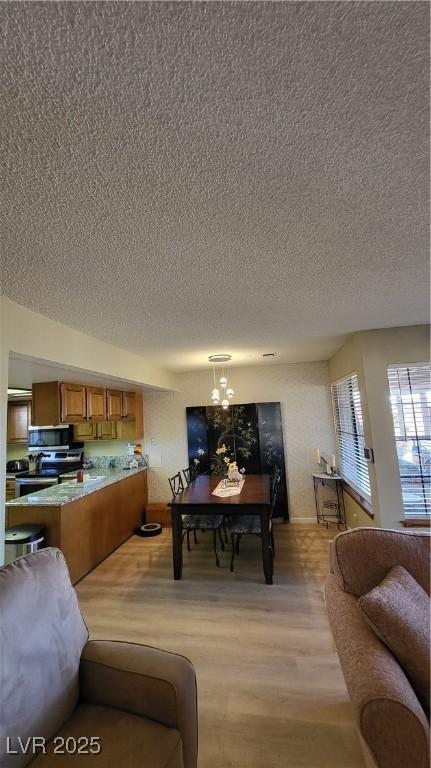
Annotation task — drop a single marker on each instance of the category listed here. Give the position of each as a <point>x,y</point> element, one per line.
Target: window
<point>410,393</point>
<point>349,434</point>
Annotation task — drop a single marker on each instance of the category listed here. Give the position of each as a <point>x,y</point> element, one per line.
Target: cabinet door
<point>114,404</point>
<point>106,430</point>
<point>84,432</point>
<point>10,490</point>
<point>73,405</point>
<point>129,405</point>
<point>18,420</point>
<point>96,404</point>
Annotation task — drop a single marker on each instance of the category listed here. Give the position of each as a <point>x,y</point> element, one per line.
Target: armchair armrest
<point>145,681</point>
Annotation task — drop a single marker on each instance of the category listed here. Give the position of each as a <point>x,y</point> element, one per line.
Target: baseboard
<point>159,512</point>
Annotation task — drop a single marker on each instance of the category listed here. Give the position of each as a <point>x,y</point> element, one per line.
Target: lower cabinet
<point>10,490</point>
<point>88,529</point>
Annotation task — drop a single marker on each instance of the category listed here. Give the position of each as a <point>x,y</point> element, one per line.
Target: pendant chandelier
<point>222,392</point>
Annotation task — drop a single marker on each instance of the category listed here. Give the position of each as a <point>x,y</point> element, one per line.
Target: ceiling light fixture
<point>223,383</point>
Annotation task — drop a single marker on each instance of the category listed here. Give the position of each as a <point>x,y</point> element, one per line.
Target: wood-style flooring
<point>271,692</point>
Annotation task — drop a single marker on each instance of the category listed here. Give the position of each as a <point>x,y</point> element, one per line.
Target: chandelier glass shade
<point>222,391</point>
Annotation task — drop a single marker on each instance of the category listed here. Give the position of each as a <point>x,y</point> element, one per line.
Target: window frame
<point>357,436</point>
<point>409,517</point>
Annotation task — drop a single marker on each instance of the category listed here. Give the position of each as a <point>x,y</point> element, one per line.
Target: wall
<point>29,334</point>
<point>380,349</point>
<point>356,517</point>
<point>369,353</point>
<point>106,448</point>
<point>302,389</point>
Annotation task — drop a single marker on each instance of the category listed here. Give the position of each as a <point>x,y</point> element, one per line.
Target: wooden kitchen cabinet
<point>73,403</point>
<point>84,432</point>
<point>56,403</point>
<point>96,404</point>
<point>114,404</point>
<point>129,405</point>
<point>18,421</point>
<point>10,490</point>
<point>95,430</point>
<point>96,413</point>
<point>106,430</point>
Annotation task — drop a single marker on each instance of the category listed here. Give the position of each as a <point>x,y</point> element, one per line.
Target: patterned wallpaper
<point>301,388</point>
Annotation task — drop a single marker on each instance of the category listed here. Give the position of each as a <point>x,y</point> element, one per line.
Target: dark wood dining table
<point>198,498</point>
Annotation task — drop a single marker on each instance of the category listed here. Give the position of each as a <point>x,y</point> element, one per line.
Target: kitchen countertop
<point>58,495</point>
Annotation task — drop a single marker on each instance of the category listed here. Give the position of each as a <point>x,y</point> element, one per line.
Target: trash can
<point>23,539</point>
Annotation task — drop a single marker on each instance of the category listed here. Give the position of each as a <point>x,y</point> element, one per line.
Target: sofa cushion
<point>125,740</point>
<point>42,635</point>
<point>398,610</point>
<point>361,558</point>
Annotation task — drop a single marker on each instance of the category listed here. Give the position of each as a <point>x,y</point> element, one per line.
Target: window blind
<point>349,434</point>
<point>410,393</point>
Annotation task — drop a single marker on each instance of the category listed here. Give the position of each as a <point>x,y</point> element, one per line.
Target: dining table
<point>198,498</point>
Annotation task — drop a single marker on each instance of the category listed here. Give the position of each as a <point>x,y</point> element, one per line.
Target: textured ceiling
<point>190,178</point>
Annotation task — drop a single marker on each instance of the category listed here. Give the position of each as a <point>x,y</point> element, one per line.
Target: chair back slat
<point>176,483</point>
<point>187,472</point>
<point>276,477</point>
<point>275,486</point>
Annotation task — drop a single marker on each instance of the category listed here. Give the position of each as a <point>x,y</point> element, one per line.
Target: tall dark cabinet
<point>250,434</point>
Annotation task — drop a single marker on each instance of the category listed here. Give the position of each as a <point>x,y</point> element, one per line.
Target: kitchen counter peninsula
<point>87,521</point>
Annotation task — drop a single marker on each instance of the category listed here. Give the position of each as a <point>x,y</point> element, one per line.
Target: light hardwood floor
<point>271,692</point>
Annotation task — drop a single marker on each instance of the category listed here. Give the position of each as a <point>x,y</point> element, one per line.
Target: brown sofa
<point>139,702</point>
<point>393,726</point>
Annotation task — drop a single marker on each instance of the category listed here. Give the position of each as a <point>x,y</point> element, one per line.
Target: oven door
<point>27,485</point>
<point>59,438</point>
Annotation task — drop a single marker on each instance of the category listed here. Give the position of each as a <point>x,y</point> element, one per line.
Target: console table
<point>329,511</point>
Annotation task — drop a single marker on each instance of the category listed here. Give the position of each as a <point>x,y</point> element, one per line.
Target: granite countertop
<point>67,491</point>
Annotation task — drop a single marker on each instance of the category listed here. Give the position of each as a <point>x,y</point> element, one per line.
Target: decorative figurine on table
<point>234,476</point>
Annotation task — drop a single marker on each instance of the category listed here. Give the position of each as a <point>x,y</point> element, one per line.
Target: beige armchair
<point>394,728</point>
<point>110,703</point>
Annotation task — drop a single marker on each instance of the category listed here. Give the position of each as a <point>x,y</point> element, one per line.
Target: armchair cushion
<point>398,610</point>
<point>144,681</point>
<point>125,740</point>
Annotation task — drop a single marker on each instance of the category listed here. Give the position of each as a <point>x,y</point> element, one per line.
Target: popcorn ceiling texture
<point>187,177</point>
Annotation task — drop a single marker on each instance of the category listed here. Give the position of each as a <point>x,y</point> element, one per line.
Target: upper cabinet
<point>18,421</point>
<point>62,403</point>
<point>129,405</point>
<point>114,404</point>
<point>96,404</point>
<point>73,403</point>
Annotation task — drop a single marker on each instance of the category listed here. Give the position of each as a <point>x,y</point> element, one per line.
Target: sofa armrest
<point>390,717</point>
<point>145,681</point>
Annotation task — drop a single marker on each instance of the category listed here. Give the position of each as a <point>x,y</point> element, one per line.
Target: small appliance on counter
<point>17,465</point>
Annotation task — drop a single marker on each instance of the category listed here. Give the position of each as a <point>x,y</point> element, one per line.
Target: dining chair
<point>244,525</point>
<point>188,475</point>
<point>197,522</point>
<point>276,473</point>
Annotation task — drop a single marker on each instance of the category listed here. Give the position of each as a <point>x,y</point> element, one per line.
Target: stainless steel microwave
<point>60,437</point>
